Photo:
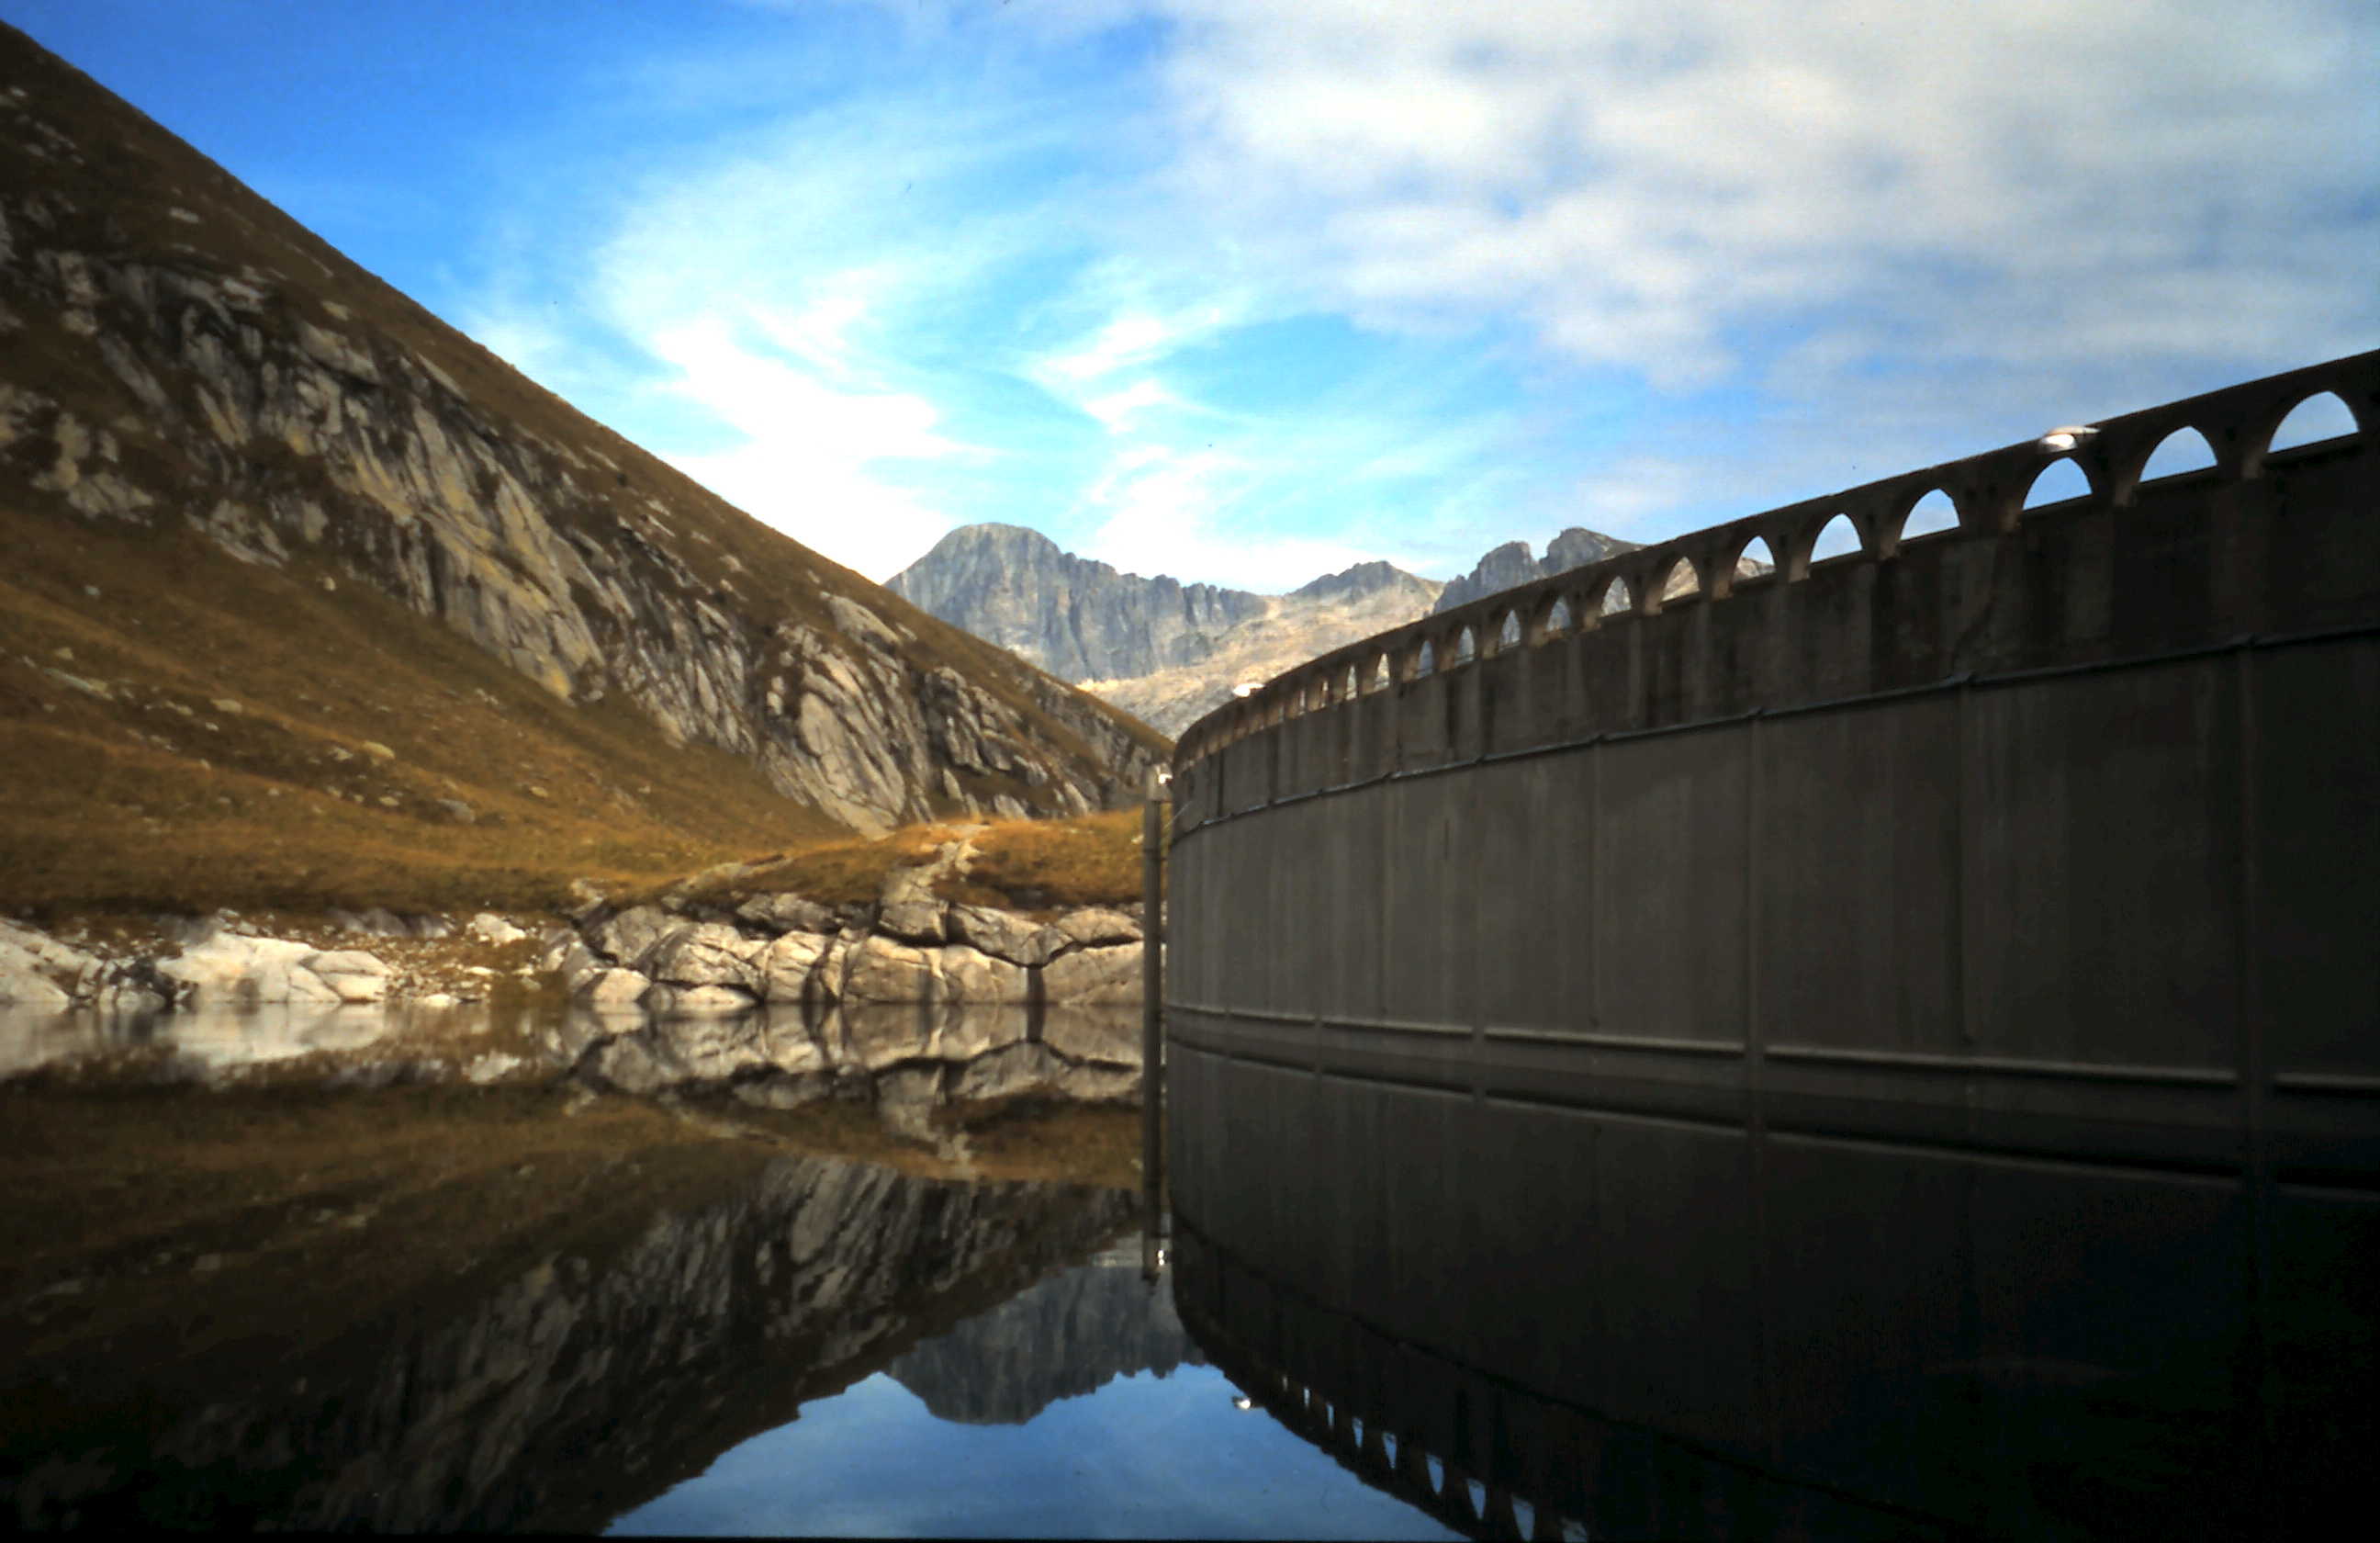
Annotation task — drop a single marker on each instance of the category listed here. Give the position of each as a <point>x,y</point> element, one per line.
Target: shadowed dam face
<point>1902,1025</point>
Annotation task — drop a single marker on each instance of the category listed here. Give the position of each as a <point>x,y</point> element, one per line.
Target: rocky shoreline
<point>674,958</point>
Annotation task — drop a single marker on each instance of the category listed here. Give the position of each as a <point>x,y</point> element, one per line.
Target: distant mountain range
<point>1169,652</point>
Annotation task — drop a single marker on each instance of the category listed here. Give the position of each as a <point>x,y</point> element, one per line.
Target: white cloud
<point>1167,511</point>
<point>1841,238</point>
<point>806,463</point>
<point>1645,182</point>
<point>1123,341</point>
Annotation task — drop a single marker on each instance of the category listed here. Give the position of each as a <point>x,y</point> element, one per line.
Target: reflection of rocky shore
<point>909,1054</point>
<point>579,1386</point>
<point>904,1052</point>
<point>1066,1337</point>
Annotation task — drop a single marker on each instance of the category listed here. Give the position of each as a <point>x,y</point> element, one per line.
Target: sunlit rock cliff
<point>178,357</point>
<point>1165,651</point>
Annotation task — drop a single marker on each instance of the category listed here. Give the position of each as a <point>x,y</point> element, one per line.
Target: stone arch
<point>2316,418</point>
<point>2183,453</point>
<point>1746,568</point>
<point>1379,674</point>
<point>1553,617</point>
<point>2062,482</point>
<point>1934,513</point>
<point>1616,598</point>
<point>1679,580</point>
<point>1467,646</point>
<point>1349,686</point>
<point>1508,631</point>
<point>1837,537</point>
<point>1423,662</point>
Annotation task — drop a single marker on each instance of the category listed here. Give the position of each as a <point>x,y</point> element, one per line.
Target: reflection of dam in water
<point>1663,1332</point>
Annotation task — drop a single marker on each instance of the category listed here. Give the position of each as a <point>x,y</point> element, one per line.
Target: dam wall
<point>1835,1015</point>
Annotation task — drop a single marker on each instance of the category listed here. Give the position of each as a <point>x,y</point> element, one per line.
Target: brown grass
<point>151,797</point>
<point>1047,865</point>
<point>1033,865</point>
<point>145,798</point>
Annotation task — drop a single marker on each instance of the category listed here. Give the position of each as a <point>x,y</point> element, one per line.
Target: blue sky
<point>1244,291</point>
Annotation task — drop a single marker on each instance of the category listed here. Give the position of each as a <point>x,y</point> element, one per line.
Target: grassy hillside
<point>131,786</point>
<point>1039,867</point>
<point>307,701</point>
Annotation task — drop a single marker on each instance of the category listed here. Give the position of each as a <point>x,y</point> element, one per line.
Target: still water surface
<point>233,1297</point>
<point>949,1439</point>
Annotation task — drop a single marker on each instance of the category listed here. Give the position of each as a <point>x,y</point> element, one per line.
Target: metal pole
<point>1152,999</point>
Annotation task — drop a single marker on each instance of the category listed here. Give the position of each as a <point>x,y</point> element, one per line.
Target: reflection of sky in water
<point>1143,1457</point>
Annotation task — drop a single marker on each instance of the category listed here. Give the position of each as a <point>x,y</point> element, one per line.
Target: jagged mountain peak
<point>1363,578</point>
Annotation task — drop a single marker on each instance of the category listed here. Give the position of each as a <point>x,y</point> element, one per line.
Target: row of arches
<point>2127,455</point>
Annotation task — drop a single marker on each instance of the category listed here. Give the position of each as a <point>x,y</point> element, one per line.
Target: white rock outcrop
<point>226,967</point>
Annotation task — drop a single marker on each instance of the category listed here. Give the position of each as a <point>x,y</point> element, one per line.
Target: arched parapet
<point>1550,615</point>
<point>1738,540</point>
<point>1987,494</point>
<point>2134,456</point>
<point>1807,530</point>
<point>2256,436</point>
<point>1678,578</point>
<point>1605,590</point>
<point>1969,505</point>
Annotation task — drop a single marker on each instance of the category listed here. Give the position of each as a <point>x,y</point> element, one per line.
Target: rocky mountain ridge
<point>1165,651</point>
<point>1512,565</point>
<point>1069,1335</point>
<point>179,358</point>
<point>1169,652</point>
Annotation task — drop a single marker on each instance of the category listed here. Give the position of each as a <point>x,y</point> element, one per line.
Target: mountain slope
<point>1165,651</point>
<point>234,468</point>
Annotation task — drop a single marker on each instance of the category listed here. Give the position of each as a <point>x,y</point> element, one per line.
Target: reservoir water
<point>375,1270</point>
<point>892,1274</point>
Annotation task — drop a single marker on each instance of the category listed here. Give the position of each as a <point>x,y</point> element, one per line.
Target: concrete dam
<point>1904,1024</point>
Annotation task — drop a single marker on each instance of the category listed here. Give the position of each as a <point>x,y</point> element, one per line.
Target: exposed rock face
<point>1169,654</point>
<point>1165,651</point>
<point>40,974</point>
<point>1512,564</point>
<point>227,370</point>
<point>1070,1335</point>
<point>1077,618</point>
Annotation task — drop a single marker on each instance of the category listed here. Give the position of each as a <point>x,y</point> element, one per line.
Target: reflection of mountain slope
<point>564,1394</point>
<point>1068,1336</point>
